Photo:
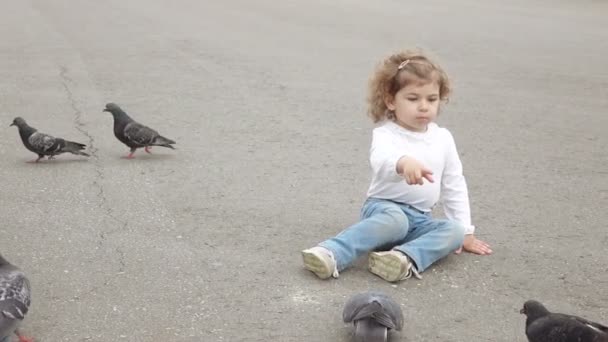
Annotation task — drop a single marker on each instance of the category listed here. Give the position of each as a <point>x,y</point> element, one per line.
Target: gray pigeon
<point>44,144</point>
<point>134,134</point>
<point>545,326</point>
<point>373,314</point>
<point>14,300</point>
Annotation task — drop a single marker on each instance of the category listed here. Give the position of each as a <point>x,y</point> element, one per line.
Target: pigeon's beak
<point>13,124</point>
<point>522,311</point>
<point>105,110</point>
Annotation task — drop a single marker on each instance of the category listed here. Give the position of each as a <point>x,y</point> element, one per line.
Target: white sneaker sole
<point>387,266</point>
<point>316,264</point>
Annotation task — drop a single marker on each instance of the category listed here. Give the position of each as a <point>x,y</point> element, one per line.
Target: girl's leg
<point>427,241</point>
<point>383,223</point>
<point>430,239</point>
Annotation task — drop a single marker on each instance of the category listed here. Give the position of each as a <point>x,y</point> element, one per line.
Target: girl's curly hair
<point>397,71</point>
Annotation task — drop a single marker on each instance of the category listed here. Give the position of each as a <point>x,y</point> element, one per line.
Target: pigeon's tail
<point>368,330</point>
<point>164,142</point>
<point>75,148</point>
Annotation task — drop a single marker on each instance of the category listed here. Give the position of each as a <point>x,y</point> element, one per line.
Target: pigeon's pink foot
<point>147,149</point>
<point>129,156</point>
<point>23,338</point>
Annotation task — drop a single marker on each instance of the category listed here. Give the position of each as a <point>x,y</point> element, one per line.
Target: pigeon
<point>545,326</point>
<point>14,300</point>
<point>373,314</point>
<point>44,144</point>
<point>134,134</point>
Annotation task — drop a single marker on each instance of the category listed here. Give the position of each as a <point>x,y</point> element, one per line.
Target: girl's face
<point>415,105</point>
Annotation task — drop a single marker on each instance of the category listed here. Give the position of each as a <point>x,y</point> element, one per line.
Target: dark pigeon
<point>373,315</point>
<point>14,300</point>
<point>134,134</point>
<point>545,326</point>
<point>44,144</point>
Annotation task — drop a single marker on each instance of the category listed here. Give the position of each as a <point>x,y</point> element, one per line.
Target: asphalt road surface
<point>266,100</point>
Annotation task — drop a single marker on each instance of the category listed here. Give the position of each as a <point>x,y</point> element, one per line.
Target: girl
<point>414,162</point>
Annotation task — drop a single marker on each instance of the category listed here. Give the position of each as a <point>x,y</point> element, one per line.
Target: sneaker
<point>321,262</point>
<point>392,266</point>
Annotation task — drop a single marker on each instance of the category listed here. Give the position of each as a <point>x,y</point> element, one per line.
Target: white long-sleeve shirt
<point>436,150</point>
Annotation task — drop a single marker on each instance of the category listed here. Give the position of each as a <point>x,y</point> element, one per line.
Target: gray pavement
<point>266,102</point>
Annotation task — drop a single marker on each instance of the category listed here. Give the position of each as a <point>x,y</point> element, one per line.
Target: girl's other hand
<point>473,245</point>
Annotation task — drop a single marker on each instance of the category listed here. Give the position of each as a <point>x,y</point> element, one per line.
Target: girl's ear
<point>389,101</point>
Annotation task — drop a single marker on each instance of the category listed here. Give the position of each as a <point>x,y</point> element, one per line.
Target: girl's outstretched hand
<point>473,245</point>
<point>413,171</point>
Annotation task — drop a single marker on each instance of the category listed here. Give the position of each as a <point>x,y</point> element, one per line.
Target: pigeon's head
<point>533,309</point>
<point>112,108</point>
<point>19,122</point>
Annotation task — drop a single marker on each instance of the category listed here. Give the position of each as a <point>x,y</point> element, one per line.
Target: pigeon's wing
<point>44,143</point>
<point>375,305</point>
<point>563,328</point>
<point>13,309</point>
<point>14,285</point>
<point>139,134</point>
<point>392,309</point>
<point>591,324</point>
<point>579,329</point>
<point>385,319</point>
<point>375,311</point>
<point>368,311</point>
<point>14,299</point>
<point>354,305</point>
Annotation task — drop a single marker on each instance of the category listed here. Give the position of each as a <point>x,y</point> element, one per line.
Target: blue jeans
<point>386,224</point>
<point>5,339</point>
